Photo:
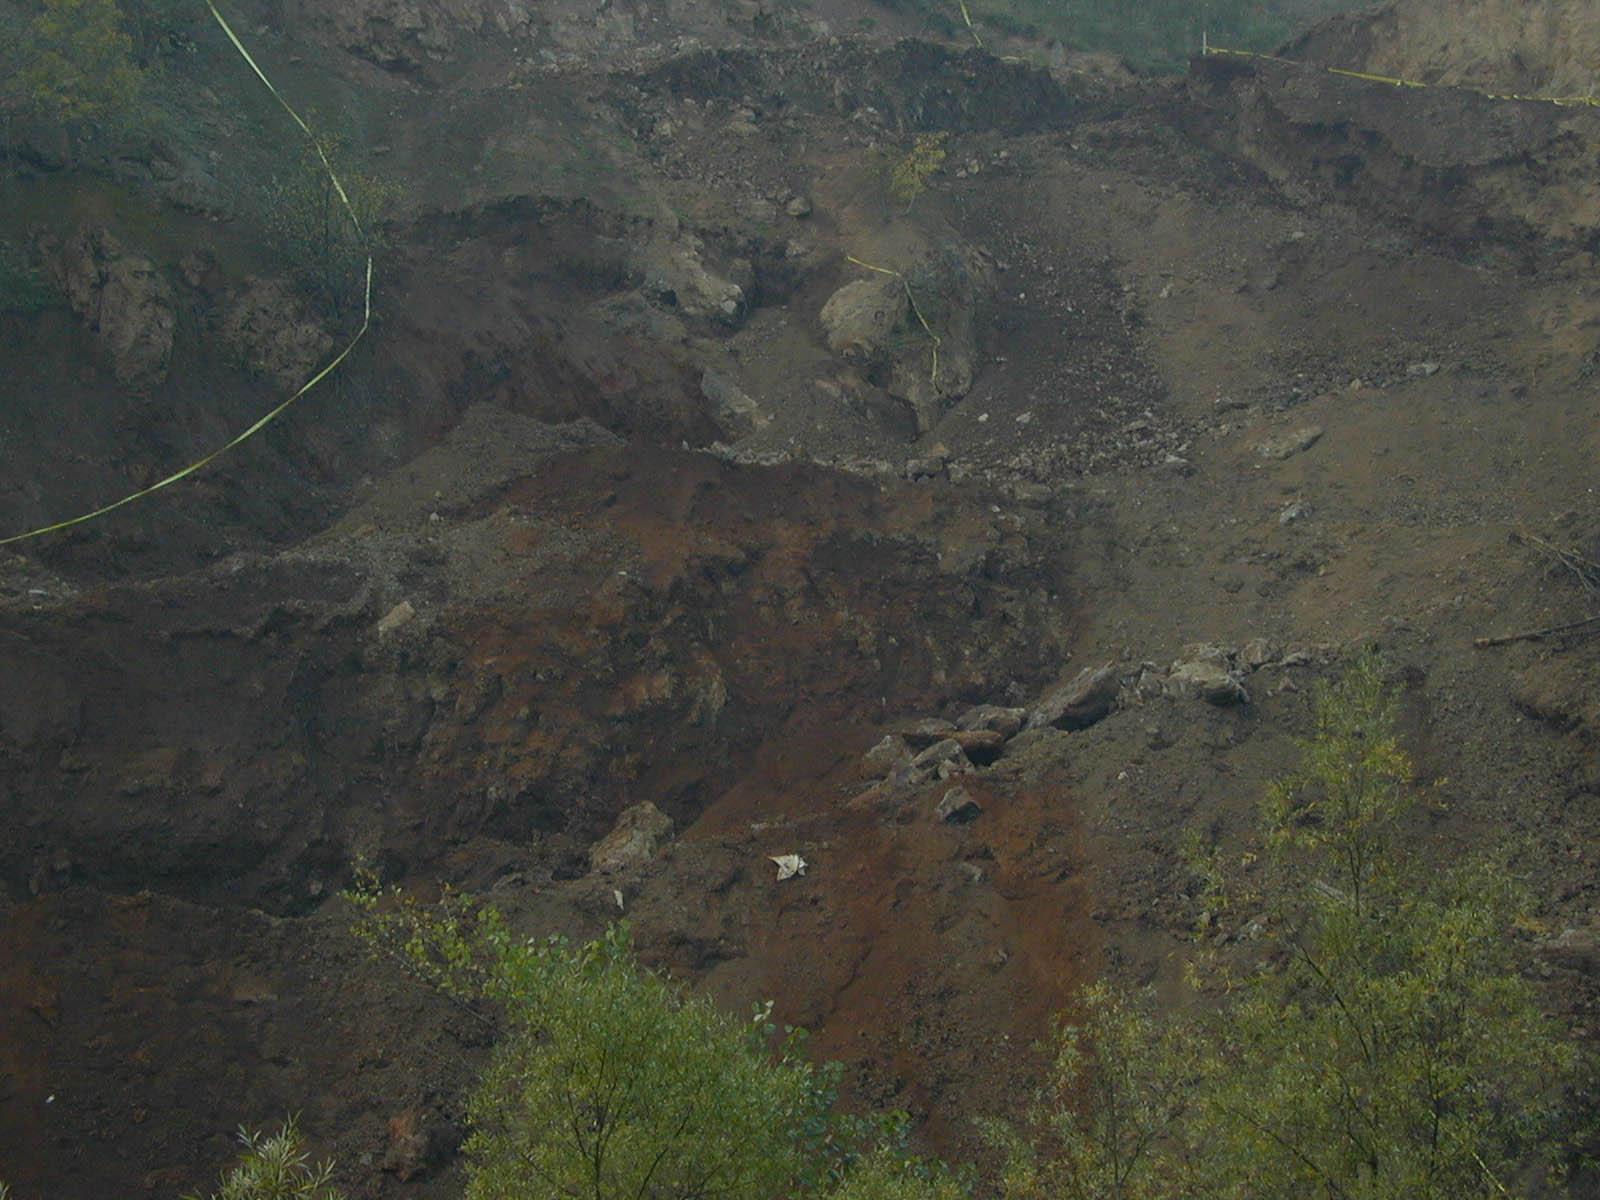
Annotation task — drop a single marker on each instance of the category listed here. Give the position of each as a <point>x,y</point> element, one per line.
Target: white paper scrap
<point>789,865</point>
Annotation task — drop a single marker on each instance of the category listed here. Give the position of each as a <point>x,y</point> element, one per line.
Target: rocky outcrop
<point>410,37</point>
<point>1078,705</point>
<point>917,753</point>
<point>633,839</point>
<point>734,411</point>
<point>1451,163</point>
<point>677,276</point>
<point>1216,673</point>
<point>274,333</point>
<point>126,303</point>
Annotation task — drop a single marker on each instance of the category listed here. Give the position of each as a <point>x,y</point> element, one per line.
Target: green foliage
<point>889,1174</point>
<point>72,62</point>
<point>325,244</point>
<point>909,177</point>
<point>22,288</point>
<point>616,1084</point>
<point>1118,1087</point>
<point>1394,1054</point>
<point>1375,1041</point>
<point>275,1167</point>
<point>608,1081</point>
<point>1336,815</point>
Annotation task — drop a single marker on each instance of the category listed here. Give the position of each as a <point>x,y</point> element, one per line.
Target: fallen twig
<point>1587,625</point>
<point>1587,571</point>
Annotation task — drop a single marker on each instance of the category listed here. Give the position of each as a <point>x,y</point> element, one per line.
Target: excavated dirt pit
<point>522,572</point>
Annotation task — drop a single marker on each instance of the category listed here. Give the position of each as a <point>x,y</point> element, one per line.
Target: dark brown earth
<point>516,567</point>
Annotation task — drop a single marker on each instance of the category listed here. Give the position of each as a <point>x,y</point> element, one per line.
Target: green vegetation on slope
<point>1360,1031</point>
<point>1363,1030</point>
<point>275,1166</point>
<point>609,1082</point>
<point>70,62</point>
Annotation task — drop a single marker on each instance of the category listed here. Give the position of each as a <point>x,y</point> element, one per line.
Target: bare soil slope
<point>617,506</point>
<point>1542,47</point>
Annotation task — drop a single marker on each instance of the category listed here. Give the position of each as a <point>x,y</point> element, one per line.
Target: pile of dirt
<point>1534,47</point>
<point>1491,175</point>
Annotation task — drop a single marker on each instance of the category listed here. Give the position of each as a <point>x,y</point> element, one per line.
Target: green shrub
<point>72,62</point>
<point>892,1174</point>
<point>1118,1086</point>
<point>909,177</point>
<point>608,1081</point>
<point>275,1167</point>
<point>1377,1043</point>
<point>314,233</point>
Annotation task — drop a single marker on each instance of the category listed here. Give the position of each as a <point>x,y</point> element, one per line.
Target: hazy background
<point>1151,35</point>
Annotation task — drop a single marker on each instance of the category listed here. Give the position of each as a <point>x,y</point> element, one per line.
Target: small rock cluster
<point>1216,673</point>
<point>921,752</point>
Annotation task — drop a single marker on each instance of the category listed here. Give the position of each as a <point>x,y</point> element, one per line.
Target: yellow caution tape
<point>1589,101</point>
<point>933,376</point>
<point>967,17</point>
<point>1374,78</point>
<point>366,321</point>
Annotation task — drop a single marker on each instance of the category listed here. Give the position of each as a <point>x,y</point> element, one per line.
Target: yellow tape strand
<point>933,375</point>
<point>366,321</point>
<point>967,17</point>
<point>1589,101</point>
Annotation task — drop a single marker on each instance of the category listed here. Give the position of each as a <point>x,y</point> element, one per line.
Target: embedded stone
<point>957,807</point>
<point>1081,703</point>
<point>633,840</point>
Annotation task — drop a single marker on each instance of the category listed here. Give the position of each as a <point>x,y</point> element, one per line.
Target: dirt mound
<point>1454,163</point>
<point>1537,47</point>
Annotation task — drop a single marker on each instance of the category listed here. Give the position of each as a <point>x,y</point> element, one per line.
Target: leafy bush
<point>609,1081</point>
<point>1378,1044</point>
<point>1118,1086</point>
<point>314,233</point>
<point>910,175</point>
<point>891,1174</point>
<point>72,62</point>
<point>276,1167</point>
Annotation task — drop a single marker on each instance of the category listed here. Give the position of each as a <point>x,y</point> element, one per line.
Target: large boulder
<point>676,275</point>
<point>1081,703</point>
<point>912,334</point>
<point>633,840</point>
<point>859,319</point>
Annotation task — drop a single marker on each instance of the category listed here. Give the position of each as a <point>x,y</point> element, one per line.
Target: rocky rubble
<point>920,752</point>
